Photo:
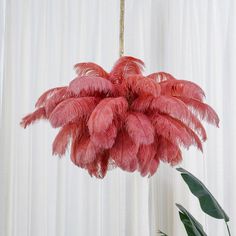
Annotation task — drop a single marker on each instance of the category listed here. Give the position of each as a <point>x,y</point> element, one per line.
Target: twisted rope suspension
<point>122,16</point>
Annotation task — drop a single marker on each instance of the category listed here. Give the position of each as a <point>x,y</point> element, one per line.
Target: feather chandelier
<point>124,118</point>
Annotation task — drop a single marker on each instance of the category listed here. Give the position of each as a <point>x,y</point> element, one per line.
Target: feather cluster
<point>123,118</point>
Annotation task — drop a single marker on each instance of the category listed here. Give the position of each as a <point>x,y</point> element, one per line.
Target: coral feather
<point>86,152</point>
<point>105,112</point>
<point>145,156</point>
<point>74,148</point>
<point>99,166</point>
<point>143,86</point>
<point>140,128</point>
<point>31,118</point>
<point>142,103</point>
<point>90,85</point>
<point>124,152</point>
<point>106,138</point>
<point>62,139</point>
<point>153,166</point>
<point>175,131</point>
<point>43,98</point>
<point>173,107</point>
<point>177,109</point>
<point>168,152</point>
<point>71,109</point>
<point>204,111</point>
<point>160,76</point>
<point>182,88</point>
<point>124,67</point>
<point>59,96</point>
<point>90,69</point>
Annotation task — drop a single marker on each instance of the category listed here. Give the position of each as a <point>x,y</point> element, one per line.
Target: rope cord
<point>122,19</point>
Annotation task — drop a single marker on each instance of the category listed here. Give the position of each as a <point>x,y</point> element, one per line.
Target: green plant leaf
<point>161,233</point>
<point>207,201</point>
<point>192,226</point>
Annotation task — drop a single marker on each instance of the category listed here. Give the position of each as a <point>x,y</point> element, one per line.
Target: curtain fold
<point>40,41</point>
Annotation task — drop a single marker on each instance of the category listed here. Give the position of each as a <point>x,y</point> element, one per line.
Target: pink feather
<point>124,152</point>
<point>31,118</point>
<point>62,139</point>
<point>175,131</point>
<point>145,156</point>
<point>43,98</point>
<point>99,166</point>
<point>74,148</point>
<point>153,166</point>
<point>143,86</point>
<point>125,67</point>
<point>105,112</point>
<point>177,109</point>
<point>204,111</point>
<point>168,152</point>
<point>90,69</point>
<point>161,76</point>
<point>56,98</point>
<point>72,109</point>
<point>90,84</point>
<point>140,128</point>
<point>106,138</point>
<point>142,103</point>
<point>86,152</point>
<point>182,88</point>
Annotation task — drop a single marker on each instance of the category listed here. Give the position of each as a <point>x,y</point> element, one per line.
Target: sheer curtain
<point>40,41</point>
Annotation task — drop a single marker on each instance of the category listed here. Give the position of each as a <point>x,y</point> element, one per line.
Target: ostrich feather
<point>103,165</point>
<point>74,147</point>
<point>168,152</point>
<point>31,118</point>
<point>62,139</point>
<point>71,109</point>
<point>204,111</point>
<point>103,161</point>
<point>160,76</point>
<point>90,85</point>
<point>177,109</point>
<point>173,107</point>
<point>86,152</point>
<point>105,138</point>
<point>90,69</point>
<point>124,67</point>
<point>146,154</point>
<point>43,98</point>
<point>143,86</point>
<point>175,131</point>
<point>59,96</point>
<point>182,88</point>
<point>105,112</point>
<point>140,128</point>
<point>99,166</point>
<point>153,166</point>
<point>142,103</point>
<point>124,152</point>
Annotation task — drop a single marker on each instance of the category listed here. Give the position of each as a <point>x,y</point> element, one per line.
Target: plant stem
<point>228,228</point>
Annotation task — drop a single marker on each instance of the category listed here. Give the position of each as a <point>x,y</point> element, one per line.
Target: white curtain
<point>40,41</point>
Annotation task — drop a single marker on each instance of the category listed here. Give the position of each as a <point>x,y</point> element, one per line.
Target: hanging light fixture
<point>123,118</point>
